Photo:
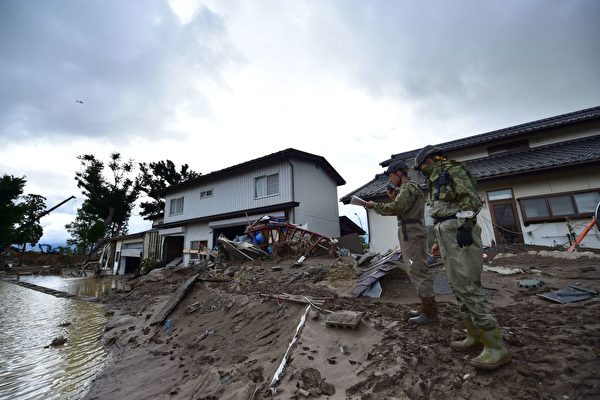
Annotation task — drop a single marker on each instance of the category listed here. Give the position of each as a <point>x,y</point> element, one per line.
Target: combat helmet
<point>398,165</point>
<point>426,152</point>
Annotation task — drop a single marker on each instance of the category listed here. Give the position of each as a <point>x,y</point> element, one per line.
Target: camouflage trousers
<point>414,255</point>
<point>464,267</point>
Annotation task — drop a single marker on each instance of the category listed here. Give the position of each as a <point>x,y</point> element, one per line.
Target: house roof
<point>348,226</point>
<point>557,155</point>
<point>130,235</point>
<point>270,158</point>
<point>510,132</point>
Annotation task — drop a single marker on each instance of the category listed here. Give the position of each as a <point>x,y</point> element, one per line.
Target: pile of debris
<point>368,283</point>
<point>241,249</point>
<point>341,271</point>
<point>270,236</point>
<point>268,231</point>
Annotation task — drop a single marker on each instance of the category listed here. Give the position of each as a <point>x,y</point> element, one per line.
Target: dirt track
<point>231,345</point>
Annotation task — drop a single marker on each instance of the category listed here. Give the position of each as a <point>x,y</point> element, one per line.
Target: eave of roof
<point>131,235</point>
<point>583,151</point>
<point>349,225</point>
<point>281,155</point>
<point>528,127</point>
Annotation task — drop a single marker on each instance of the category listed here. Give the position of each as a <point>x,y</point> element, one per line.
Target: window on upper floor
<point>206,193</point>
<point>508,147</point>
<point>556,207</point>
<point>266,185</point>
<point>176,206</point>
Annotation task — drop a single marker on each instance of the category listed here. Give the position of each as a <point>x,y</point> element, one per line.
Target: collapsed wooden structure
<point>268,231</point>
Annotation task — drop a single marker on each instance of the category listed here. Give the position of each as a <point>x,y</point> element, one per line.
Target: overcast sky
<point>216,83</point>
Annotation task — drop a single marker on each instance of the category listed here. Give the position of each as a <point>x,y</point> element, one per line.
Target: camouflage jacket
<point>408,204</point>
<point>457,192</point>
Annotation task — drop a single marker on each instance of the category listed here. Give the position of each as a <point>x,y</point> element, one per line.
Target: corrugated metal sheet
<point>131,252</point>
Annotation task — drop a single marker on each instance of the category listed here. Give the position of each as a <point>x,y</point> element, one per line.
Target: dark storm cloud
<point>496,60</point>
<point>131,63</point>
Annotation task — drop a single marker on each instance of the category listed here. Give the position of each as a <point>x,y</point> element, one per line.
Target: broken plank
<point>160,316</point>
<point>296,299</point>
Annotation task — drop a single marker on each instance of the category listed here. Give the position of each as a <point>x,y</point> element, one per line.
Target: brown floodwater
<point>29,320</point>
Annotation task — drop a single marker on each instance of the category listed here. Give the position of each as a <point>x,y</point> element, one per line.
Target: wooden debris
<point>297,299</point>
<point>244,251</point>
<point>52,292</point>
<point>276,233</point>
<point>175,262</point>
<point>193,308</point>
<point>344,319</point>
<point>173,301</point>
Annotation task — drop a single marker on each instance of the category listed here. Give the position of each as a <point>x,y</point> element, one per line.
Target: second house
<point>293,185</point>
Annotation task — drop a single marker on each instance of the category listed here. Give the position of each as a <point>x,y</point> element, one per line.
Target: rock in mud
<point>327,388</point>
<point>58,341</point>
<point>311,378</point>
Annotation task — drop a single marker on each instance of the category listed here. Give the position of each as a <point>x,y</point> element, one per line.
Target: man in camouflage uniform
<point>408,207</point>
<point>454,205</point>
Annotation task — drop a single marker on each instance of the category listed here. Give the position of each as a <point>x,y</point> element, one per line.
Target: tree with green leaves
<point>30,229</point>
<point>155,178</point>
<point>109,198</point>
<point>11,211</point>
<point>85,231</point>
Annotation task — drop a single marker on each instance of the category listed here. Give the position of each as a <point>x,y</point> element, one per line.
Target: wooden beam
<point>160,316</point>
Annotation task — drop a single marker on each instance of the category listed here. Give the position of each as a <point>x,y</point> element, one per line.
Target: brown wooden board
<point>160,316</point>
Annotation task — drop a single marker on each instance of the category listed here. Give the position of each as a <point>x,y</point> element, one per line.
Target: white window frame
<point>206,194</point>
<point>172,206</point>
<point>269,190</point>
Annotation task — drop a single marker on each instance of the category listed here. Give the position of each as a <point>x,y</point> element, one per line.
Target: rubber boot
<point>495,353</point>
<point>429,313</point>
<point>472,340</point>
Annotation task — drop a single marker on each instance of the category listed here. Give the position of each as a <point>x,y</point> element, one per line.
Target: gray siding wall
<point>231,194</point>
<point>317,194</point>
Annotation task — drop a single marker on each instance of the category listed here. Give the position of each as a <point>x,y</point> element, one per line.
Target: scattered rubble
<point>230,334</point>
<point>503,270</point>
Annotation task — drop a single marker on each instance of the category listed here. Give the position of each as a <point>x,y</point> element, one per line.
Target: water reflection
<point>29,320</point>
<point>79,286</point>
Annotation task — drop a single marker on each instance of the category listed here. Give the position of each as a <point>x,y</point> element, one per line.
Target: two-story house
<point>291,184</point>
<point>540,181</point>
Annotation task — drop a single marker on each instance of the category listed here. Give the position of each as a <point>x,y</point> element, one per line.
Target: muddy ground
<point>32,262</point>
<point>233,341</point>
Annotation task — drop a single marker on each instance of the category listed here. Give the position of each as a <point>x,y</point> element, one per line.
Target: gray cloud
<point>130,63</point>
<point>501,62</point>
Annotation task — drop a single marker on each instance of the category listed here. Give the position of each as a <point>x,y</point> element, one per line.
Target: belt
<point>442,219</point>
<point>408,221</point>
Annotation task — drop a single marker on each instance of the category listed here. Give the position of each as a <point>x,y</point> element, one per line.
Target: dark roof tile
<point>573,152</point>
<point>546,123</point>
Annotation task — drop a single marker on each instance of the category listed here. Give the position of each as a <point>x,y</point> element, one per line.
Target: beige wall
<point>550,233</point>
